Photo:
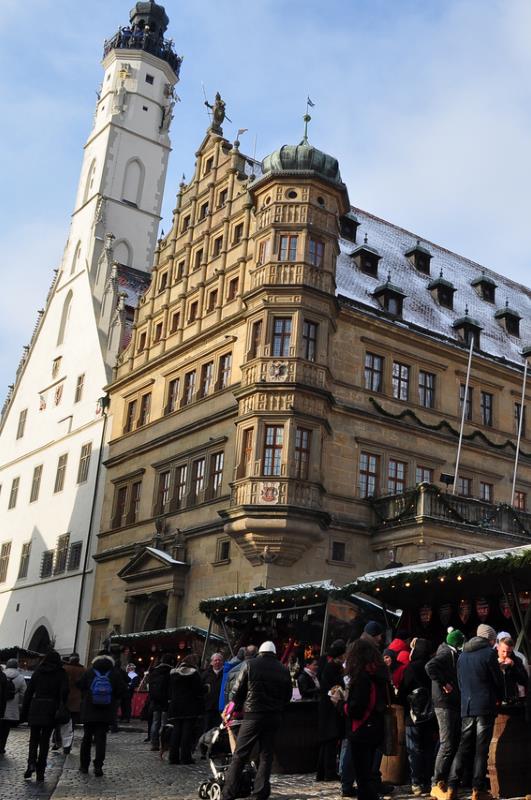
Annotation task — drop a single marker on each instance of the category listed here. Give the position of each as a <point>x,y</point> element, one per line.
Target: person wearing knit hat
<point>442,669</point>
<point>373,633</point>
<point>481,684</point>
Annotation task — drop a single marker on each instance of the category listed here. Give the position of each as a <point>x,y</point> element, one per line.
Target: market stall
<point>302,620</point>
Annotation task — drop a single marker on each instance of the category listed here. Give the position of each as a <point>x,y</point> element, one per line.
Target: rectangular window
<point>23,567</point>
<point>134,502</point>
<point>309,340</point>
<point>303,439</point>
<point>21,423</point>
<point>223,550</point>
<point>373,372</point>
<point>84,463</point>
<point>163,282</point>
<point>396,476</point>
<point>338,551</point>
<point>486,401</point>
<point>198,477</point>
<point>400,381</point>
<point>238,233</point>
<point>56,366</point>
<point>150,79</point>
<point>247,452</point>
<point>172,396</point>
<point>316,252</point>
<point>157,336</point>
<point>47,564</point>
<point>486,492</point>
<point>74,556</point>
<point>181,474</point>
<point>163,492</point>
<point>222,197</point>
<point>468,406</point>
<point>287,248</point>
<point>79,388</point>
<point>60,474</point>
<point>517,412</point>
<point>36,483</point>
<point>180,271</point>
<point>61,554</point>
<point>198,258</point>
<point>520,501</point>
<point>217,247</point>
<point>426,389</point>
<point>186,224</point>
<point>273,444</point>
<point>464,487</point>
<point>207,378</point>
<point>130,416</point>
<point>119,506</point>
<point>145,408</point>
<point>192,311</point>
<point>5,551</point>
<point>142,341</point>
<point>256,339</point>
<point>216,473</point>
<point>175,318</point>
<point>233,289</point>
<point>263,251</point>
<point>209,164</point>
<point>423,475</point>
<point>225,368</point>
<point>203,211</point>
<point>13,493</point>
<point>189,387</point>
<point>281,336</point>
<point>369,474</point>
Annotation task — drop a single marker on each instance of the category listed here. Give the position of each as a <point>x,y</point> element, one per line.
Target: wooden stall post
<point>207,637</point>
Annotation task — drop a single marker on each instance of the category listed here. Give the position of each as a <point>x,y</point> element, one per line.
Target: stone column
<point>172,614</point>
<point>129,615</point>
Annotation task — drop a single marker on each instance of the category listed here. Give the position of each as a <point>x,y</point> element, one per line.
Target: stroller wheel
<point>203,790</point>
<point>214,792</point>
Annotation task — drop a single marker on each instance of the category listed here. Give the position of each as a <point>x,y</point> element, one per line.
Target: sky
<point>426,105</point>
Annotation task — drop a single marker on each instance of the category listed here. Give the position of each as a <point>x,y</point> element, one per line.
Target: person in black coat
<point>46,692</point>
<point>98,713</point>
<point>263,689</point>
<point>421,725</point>
<point>480,682</point>
<point>186,705</point>
<point>514,674</point>
<point>212,679</point>
<point>159,695</point>
<point>365,707</point>
<point>329,720</point>
<point>446,698</point>
<point>308,682</point>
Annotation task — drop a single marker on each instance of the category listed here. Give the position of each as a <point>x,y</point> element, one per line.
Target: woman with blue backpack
<point>101,689</point>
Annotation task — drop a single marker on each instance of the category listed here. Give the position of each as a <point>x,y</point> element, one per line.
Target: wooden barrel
<point>393,768</point>
<point>510,754</point>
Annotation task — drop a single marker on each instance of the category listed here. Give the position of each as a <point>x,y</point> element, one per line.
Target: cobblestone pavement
<point>13,764</point>
<point>132,772</point>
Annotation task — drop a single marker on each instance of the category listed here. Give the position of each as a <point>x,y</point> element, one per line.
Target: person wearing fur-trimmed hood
<point>101,690</point>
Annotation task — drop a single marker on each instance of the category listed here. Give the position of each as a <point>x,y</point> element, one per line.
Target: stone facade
<point>261,401</point>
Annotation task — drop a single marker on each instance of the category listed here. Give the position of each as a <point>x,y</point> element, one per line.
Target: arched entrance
<point>156,618</point>
<point>40,642</point>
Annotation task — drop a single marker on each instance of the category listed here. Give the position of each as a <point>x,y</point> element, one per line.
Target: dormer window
<point>468,330</point>
<point>485,287</point>
<point>509,318</point>
<point>348,227</point>
<point>420,258</point>
<point>442,291</point>
<point>367,259</point>
<point>390,297</point>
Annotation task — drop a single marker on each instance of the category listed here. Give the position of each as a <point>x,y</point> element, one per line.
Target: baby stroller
<point>219,748</point>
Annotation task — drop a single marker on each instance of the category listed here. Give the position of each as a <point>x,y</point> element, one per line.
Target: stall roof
<point>317,592</point>
<point>117,638</point>
<point>514,560</point>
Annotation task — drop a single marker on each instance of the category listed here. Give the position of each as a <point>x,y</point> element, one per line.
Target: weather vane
<point>307,118</point>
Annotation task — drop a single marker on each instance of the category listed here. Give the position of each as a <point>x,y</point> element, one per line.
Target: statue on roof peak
<point>218,113</point>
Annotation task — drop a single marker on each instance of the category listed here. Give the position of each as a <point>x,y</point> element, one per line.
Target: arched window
<point>89,186</point>
<point>64,318</point>
<point>75,260</point>
<point>40,641</point>
<point>122,253</point>
<point>133,182</point>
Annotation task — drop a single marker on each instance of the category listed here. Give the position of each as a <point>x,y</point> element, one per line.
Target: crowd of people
<point>142,38</point>
<point>450,695</point>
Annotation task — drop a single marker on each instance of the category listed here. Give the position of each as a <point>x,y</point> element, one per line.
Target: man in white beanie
<point>263,690</point>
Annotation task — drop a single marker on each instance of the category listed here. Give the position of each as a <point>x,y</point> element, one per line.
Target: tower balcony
<point>269,370</point>
<point>127,39</point>
<point>285,273</point>
<point>276,490</point>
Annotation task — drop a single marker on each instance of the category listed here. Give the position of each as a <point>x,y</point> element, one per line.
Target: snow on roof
<point>163,555</point>
<point>326,585</point>
<point>420,309</point>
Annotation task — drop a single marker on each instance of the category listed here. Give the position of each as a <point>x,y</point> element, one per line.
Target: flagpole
<point>526,353</point>
<point>463,414</point>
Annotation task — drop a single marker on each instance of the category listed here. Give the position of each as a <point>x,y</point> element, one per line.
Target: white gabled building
<point>54,431</point>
